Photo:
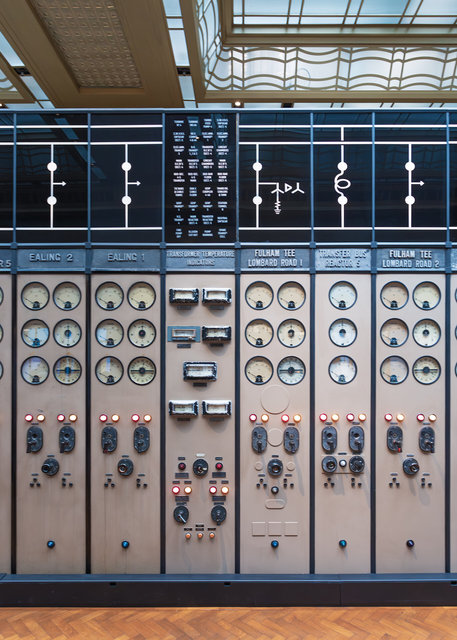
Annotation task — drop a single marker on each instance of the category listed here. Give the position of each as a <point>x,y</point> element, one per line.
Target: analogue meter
<point>342,295</point>
<point>35,333</point>
<point>66,295</point>
<point>394,370</point>
<point>109,370</point>
<point>216,296</point>
<point>67,370</point>
<point>291,370</point>
<point>183,296</point>
<point>342,369</point>
<point>291,295</point>
<point>199,370</point>
<point>216,334</point>
<point>216,407</point>
<point>394,295</point>
<point>141,295</point>
<point>141,333</point>
<point>184,408</point>
<point>109,295</point>
<point>35,370</point>
<point>258,370</point>
<point>426,295</point>
<point>426,333</point>
<point>109,333</point>
<point>259,333</point>
<point>291,333</point>
<point>35,295</point>
<point>342,332</point>
<point>394,332</point>
<point>142,371</point>
<point>259,295</point>
<point>426,370</point>
<point>67,333</point>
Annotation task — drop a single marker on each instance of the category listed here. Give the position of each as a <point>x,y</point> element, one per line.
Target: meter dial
<point>394,370</point>
<point>291,295</point>
<point>67,333</point>
<point>259,333</point>
<point>394,332</point>
<point>394,295</point>
<point>66,296</point>
<point>342,295</point>
<point>35,370</point>
<point>109,370</point>
<point>426,370</point>
<point>342,332</point>
<point>35,295</point>
<point>109,333</point>
<point>258,370</point>
<point>426,295</point>
<point>291,370</point>
<point>67,370</point>
<point>342,369</point>
<point>142,371</point>
<point>259,295</point>
<point>109,295</point>
<point>142,333</point>
<point>426,333</point>
<point>141,295</point>
<point>291,333</point>
<point>35,333</point>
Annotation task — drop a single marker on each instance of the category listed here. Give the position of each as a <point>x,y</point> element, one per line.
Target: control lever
<point>356,439</point>
<point>329,439</point>
<point>395,439</point>
<point>427,440</point>
<point>34,439</point>
<point>141,439</point>
<point>259,439</point>
<point>67,438</point>
<point>109,439</point>
<point>291,439</point>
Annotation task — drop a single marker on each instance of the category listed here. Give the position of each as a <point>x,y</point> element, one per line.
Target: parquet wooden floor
<point>217,623</point>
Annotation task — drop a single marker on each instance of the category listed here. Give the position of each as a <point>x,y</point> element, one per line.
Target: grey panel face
<point>6,376</point>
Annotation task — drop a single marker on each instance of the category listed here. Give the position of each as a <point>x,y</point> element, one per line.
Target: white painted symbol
<point>410,199</point>
<point>340,184</point>
<point>126,199</point>
<point>52,200</point>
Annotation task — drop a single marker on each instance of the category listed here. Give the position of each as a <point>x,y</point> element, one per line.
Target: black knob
<point>410,466</point>
<point>410,544</point>
<point>200,467</point>
<point>275,467</point>
<point>181,514</point>
<point>329,464</point>
<point>218,514</point>
<point>50,467</point>
<point>356,464</point>
<point>125,467</point>
<point>275,490</point>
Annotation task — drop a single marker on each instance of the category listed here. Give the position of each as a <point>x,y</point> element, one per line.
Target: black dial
<point>275,467</point>
<point>181,514</point>
<point>218,514</point>
<point>200,467</point>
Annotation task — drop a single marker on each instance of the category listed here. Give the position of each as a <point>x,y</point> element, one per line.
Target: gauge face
<point>259,295</point>
<point>291,295</point>
<point>394,370</point>
<point>394,332</point>
<point>67,370</point>
<point>394,295</point>
<point>109,295</point>
<point>67,295</point>
<point>291,370</point>
<point>141,295</point>
<point>342,295</point>
<point>35,333</point>
<point>67,333</point>
<point>426,333</point>
<point>142,333</point>
<point>142,371</point>
<point>109,333</point>
<point>259,333</point>
<point>35,295</point>
<point>426,295</point>
<point>342,369</point>
<point>35,370</point>
<point>342,332</point>
<point>291,333</point>
<point>109,370</point>
<point>258,370</point>
<point>426,370</point>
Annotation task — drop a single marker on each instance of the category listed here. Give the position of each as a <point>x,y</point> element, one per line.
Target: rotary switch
<point>200,467</point>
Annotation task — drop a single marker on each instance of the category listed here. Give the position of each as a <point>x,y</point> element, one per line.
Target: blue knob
<point>343,544</point>
<point>51,544</point>
<point>274,544</point>
<point>410,543</point>
<point>125,544</point>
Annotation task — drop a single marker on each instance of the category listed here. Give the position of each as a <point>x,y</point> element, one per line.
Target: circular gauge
<point>394,295</point>
<point>342,332</point>
<point>109,333</point>
<point>141,295</point>
<point>109,295</point>
<point>67,333</point>
<point>291,333</point>
<point>426,295</point>
<point>291,295</point>
<point>35,370</point>
<point>342,369</point>
<point>342,295</point>
<point>259,333</point>
<point>67,370</point>
<point>35,296</point>
<point>258,370</point>
<point>109,370</point>
<point>426,333</point>
<point>35,333</point>
<point>259,295</point>
<point>291,370</point>
<point>394,370</point>
<point>142,371</point>
<point>426,370</point>
<point>394,332</point>
<point>142,333</point>
<point>66,296</point>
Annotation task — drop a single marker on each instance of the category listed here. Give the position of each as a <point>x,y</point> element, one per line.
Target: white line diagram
<point>126,199</point>
<point>340,184</point>
<point>410,199</point>
<point>52,200</point>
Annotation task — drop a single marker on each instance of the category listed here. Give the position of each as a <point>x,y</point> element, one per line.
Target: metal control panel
<point>6,417</point>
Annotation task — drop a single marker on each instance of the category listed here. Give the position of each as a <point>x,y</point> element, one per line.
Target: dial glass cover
<point>291,333</point>
<point>394,332</point>
<point>291,370</point>
<point>342,332</point>
<point>109,370</point>
<point>259,333</point>
<point>35,333</point>
<point>426,295</point>
<point>142,371</point>
<point>342,369</point>
<point>342,295</point>
<point>426,333</point>
<point>66,295</point>
<point>35,296</point>
<point>259,295</point>
<point>291,295</point>
<point>394,295</point>
<point>258,370</point>
<point>67,370</point>
<point>426,370</point>
<point>35,370</point>
<point>141,295</point>
<point>109,295</point>
<point>109,333</point>
<point>67,333</point>
<point>141,333</point>
<point>394,370</point>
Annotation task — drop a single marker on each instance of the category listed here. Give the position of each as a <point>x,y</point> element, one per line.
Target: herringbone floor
<point>216,623</point>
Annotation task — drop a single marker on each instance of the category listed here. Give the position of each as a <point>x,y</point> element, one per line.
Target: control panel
<point>6,418</point>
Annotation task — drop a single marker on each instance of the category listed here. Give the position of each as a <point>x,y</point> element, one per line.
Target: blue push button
<point>50,544</point>
<point>274,544</point>
<point>343,544</point>
<point>125,544</point>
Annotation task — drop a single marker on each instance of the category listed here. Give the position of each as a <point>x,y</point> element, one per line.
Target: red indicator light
<point>175,489</point>
<point>60,417</point>
<point>285,418</point>
<point>135,417</point>
<point>420,417</point>
<point>181,466</point>
<point>252,417</point>
<point>213,489</point>
<point>323,417</point>
<point>103,417</point>
<point>350,417</point>
<point>388,417</point>
<point>219,466</point>
<point>28,417</point>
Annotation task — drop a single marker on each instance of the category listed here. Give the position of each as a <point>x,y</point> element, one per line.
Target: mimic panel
<point>5,422</point>
<point>453,411</point>
<point>274,413</point>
